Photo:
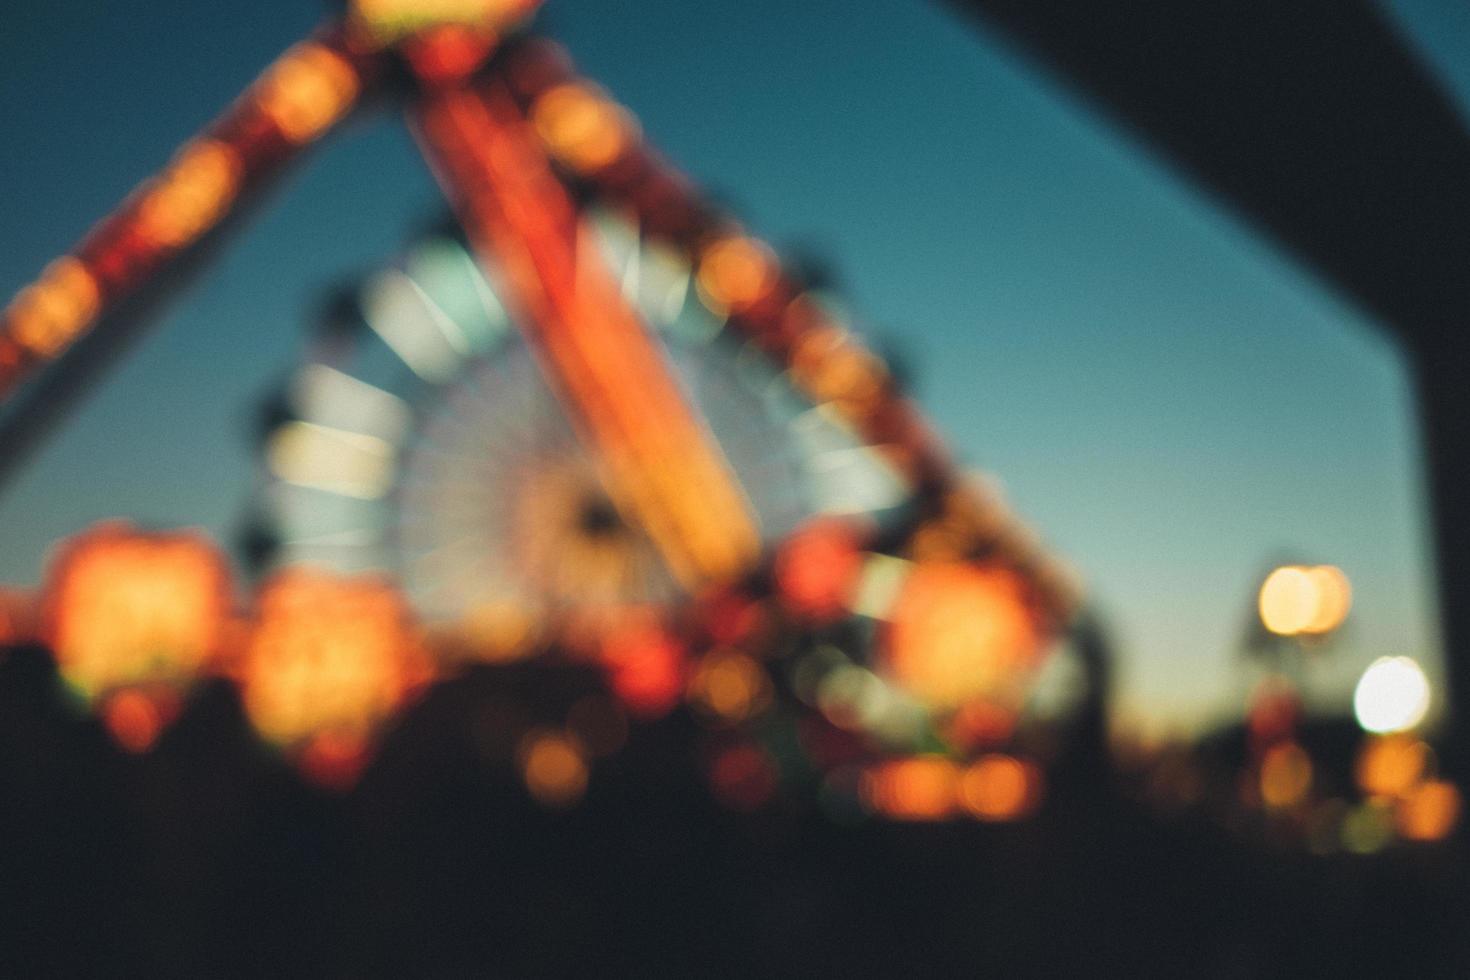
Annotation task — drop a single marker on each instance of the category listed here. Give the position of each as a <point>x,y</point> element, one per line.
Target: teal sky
<point>1167,398</point>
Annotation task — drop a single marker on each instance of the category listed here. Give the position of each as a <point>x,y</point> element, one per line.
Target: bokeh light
<point>1391,765</point>
<point>1429,811</point>
<point>1298,599</point>
<point>1392,695</point>
<point>999,787</point>
<point>190,195</point>
<point>735,273</point>
<point>127,608</point>
<point>554,768</point>
<point>328,661</point>
<point>958,632</point>
<point>1286,775</point>
<point>307,90</point>
<point>817,569</point>
<point>919,788</point>
<point>729,685</point>
<point>645,666</point>
<point>581,126</point>
<point>48,314</point>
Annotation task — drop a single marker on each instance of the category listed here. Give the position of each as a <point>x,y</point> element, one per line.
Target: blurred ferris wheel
<point>420,436</point>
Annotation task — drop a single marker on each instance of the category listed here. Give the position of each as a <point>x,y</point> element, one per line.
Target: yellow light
<point>1391,696</point>
<point>327,655</point>
<point>554,770</point>
<point>307,90</point>
<point>1298,599</point>
<point>126,608</point>
<point>959,632</point>
<point>735,273</point>
<point>191,195</point>
<point>47,315</point>
<point>499,631</point>
<point>389,21</point>
<point>1286,775</point>
<point>1334,598</point>
<point>580,126</point>
<point>1288,601</point>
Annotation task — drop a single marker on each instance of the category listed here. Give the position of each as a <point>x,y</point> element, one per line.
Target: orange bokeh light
<point>817,569</point>
<point>729,685</point>
<point>1391,765</point>
<point>126,608</point>
<point>581,126</point>
<point>191,195</point>
<point>1429,811</point>
<point>645,667</point>
<point>735,273</point>
<point>306,90</point>
<point>554,768</point>
<point>921,788</point>
<point>328,655</point>
<point>1285,776</point>
<point>830,365</point>
<point>135,719</point>
<point>1000,787</point>
<point>47,315</point>
<point>958,632</point>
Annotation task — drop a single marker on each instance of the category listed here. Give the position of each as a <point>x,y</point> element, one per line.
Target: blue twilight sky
<point>1169,400</point>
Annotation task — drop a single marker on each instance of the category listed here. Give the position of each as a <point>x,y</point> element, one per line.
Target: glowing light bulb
<point>1392,695</point>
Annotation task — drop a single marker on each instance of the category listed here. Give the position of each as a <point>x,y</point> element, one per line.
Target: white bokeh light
<point>1392,695</point>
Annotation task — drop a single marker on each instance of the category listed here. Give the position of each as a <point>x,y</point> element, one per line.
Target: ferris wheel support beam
<point>1316,122</point>
<point>102,291</point>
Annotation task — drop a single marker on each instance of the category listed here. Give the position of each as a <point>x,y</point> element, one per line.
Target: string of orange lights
<point>293,103</point>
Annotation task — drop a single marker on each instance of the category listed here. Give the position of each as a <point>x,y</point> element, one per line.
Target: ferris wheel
<point>421,437</point>
<point>593,418</point>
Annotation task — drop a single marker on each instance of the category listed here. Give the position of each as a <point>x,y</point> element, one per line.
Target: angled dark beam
<point>1313,120</point>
